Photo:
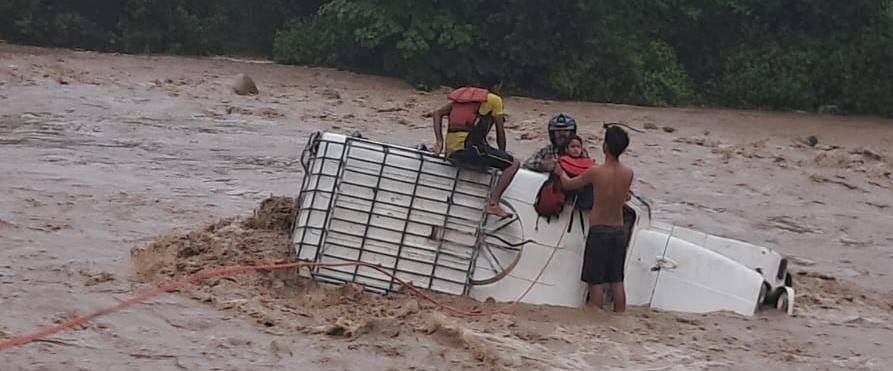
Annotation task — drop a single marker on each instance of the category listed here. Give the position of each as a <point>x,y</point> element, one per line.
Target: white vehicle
<point>421,218</point>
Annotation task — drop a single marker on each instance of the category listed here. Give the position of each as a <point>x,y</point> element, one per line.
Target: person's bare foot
<point>495,210</point>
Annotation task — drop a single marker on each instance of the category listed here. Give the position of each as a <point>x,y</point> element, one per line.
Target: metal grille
<point>406,211</point>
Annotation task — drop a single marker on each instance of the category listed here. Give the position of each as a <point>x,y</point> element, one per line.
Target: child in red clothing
<point>574,162</point>
<point>551,199</point>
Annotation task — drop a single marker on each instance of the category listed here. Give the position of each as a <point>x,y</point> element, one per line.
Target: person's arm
<point>500,131</point>
<point>577,182</point>
<point>438,127</point>
<point>540,161</point>
<point>497,110</point>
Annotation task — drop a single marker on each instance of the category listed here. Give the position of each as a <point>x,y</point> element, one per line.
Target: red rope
<point>230,271</point>
<point>220,272</point>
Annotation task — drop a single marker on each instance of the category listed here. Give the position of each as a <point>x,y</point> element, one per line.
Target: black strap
<point>570,223</point>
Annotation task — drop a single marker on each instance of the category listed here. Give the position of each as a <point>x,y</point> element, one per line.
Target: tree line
<point>775,54</point>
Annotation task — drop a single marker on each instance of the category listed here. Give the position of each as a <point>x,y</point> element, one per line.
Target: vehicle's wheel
<point>763,297</point>
<point>785,301</point>
<point>772,297</point>
<point>764,294</point>
<point>500,250</point>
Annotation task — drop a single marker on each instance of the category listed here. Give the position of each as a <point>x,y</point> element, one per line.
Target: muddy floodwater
<point>121,172</point>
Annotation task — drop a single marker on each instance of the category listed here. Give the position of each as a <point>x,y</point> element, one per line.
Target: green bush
<point>660,78</point>
<point>304,41</point>
<point>138,26</point>
<point>867,84</point>
<point>767,76</point>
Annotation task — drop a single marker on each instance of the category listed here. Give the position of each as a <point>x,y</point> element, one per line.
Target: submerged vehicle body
<point>421,218</point>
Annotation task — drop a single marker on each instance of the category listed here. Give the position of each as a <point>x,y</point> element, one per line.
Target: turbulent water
<point>104,154</point>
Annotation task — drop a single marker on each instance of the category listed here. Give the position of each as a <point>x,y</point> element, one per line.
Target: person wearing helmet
<point>561,128</point>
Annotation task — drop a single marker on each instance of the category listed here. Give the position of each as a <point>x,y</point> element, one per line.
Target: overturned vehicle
<point>420,218</point>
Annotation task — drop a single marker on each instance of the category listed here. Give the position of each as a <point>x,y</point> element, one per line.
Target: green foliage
<point>866,84</point>
<point>151,26</point>
<point>302,41</point>
<point>767,76</point>
<point>660,79</point>
<point>798,54</point>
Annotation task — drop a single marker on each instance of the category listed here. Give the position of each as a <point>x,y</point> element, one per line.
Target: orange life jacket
<point>464,112</point>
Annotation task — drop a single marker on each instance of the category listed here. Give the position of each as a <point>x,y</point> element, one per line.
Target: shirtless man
<point>606,244</point>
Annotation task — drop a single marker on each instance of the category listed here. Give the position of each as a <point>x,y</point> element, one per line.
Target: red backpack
<point>551,198</point>
<point>466,104</point>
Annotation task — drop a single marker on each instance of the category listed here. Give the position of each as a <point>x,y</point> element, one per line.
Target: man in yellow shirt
<point>472,113</point>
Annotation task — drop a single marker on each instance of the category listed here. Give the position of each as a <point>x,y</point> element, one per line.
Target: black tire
<point>764,294</point>
<point>772,298</point>
<point>782,302</point>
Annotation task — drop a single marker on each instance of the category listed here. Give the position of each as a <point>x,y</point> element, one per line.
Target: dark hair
<point>573,138</point>
<point>616,140</point>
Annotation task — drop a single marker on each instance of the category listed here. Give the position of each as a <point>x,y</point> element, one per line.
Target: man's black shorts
<point>483,155</point>
<point>605,255</point>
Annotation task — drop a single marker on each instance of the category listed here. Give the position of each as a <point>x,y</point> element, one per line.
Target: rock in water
<point>243,85</point>
<point>812,140</point>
